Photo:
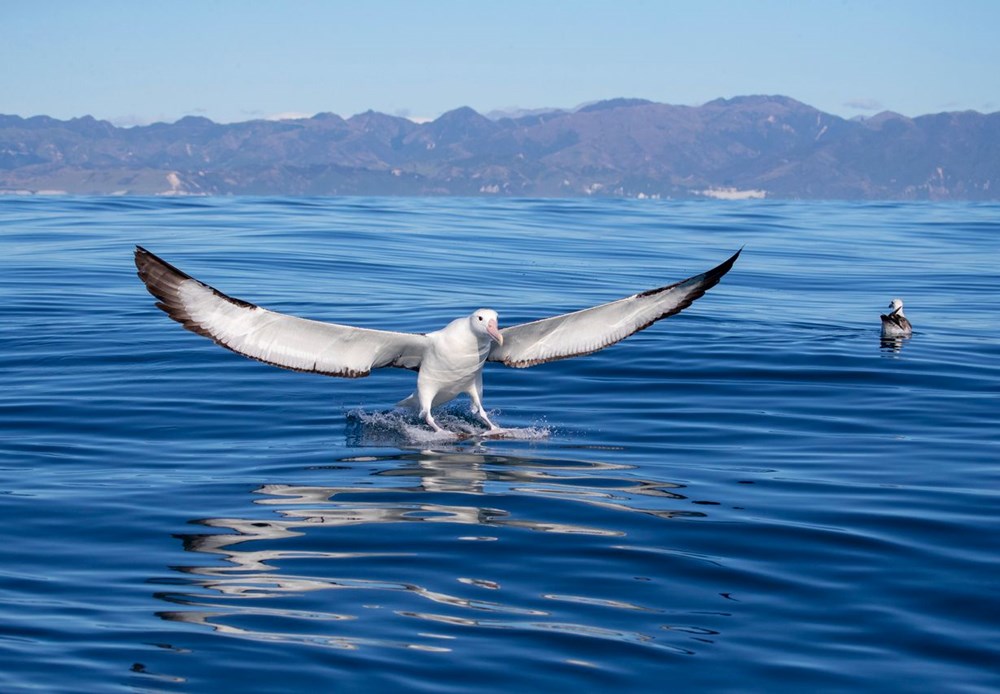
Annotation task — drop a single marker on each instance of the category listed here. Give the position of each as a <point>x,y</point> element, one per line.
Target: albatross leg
<point>477,405</point>
<point>430,421</point>
<point>425,396</point>
<point>423,406</point>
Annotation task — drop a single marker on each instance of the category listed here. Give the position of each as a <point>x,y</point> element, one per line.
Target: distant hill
<point>750,146</point>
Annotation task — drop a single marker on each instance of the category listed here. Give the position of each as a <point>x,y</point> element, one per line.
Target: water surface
<point>754,495</point>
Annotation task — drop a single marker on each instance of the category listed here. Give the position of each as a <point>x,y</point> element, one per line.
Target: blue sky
<point>139,62</point>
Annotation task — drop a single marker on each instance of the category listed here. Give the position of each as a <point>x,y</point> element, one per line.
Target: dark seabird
<point>894,323</point>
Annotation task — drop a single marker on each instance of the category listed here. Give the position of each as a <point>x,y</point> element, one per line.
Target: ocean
<point>756,495</point>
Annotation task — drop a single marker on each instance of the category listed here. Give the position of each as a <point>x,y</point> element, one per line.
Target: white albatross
<point>449,361</point>
<point>894,323</point>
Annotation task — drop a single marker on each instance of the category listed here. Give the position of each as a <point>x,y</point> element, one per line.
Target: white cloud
<point>289,115</point>
<point>406,113</point>
<point>864,104</point>
<point>132,120</point>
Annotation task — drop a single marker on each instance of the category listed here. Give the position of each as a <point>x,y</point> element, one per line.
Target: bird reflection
<point>303,539</point>
<point>892,345</point>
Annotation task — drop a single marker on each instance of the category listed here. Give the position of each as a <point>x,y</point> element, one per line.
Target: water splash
<point>402,428</point>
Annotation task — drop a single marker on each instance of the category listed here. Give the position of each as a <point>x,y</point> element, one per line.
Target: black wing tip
<point>706,279</point>
<point>158,275</point>
<point>711,278</point>
<point>726,266</point>
<point>145,259</point>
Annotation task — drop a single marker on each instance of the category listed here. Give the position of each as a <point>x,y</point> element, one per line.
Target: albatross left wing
<point>593,329</point>
<point>274,338</point>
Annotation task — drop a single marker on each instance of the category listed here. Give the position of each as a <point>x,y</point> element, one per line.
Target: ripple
<point>267,564</point>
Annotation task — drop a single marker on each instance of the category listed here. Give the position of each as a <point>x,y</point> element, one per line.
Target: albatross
<point>894,323</point>
<point>449,362</point>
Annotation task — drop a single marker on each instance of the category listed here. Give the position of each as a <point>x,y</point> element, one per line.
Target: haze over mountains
<point>752,146</point>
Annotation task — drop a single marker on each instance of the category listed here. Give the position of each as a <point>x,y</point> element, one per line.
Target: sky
<point>140,62</point>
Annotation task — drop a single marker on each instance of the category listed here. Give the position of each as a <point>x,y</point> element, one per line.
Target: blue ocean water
<point>754,495</point>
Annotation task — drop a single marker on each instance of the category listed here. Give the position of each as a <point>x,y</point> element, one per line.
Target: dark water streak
<point>756,495</point>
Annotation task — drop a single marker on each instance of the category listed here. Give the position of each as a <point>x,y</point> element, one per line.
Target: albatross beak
<point>494,332</point>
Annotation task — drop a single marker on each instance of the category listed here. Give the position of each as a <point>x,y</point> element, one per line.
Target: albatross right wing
<point>592,329</point>
<point>274,338</point>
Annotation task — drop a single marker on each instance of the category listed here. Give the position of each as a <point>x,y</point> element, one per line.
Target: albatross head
<point>485,322</point>
<point>897,307</point>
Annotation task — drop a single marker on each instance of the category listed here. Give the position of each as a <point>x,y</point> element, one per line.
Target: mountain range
<point>750,146</point>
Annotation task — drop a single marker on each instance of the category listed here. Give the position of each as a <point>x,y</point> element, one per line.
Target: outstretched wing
<point>274,338</point>
<point>592,329</point>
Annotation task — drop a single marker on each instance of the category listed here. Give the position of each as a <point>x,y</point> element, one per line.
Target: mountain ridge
<point>745,146</point>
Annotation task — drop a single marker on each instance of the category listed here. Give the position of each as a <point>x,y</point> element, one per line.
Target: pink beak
<point>494,332</point>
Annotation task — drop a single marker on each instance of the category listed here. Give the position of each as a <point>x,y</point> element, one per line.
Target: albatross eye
<point>480,318</point>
